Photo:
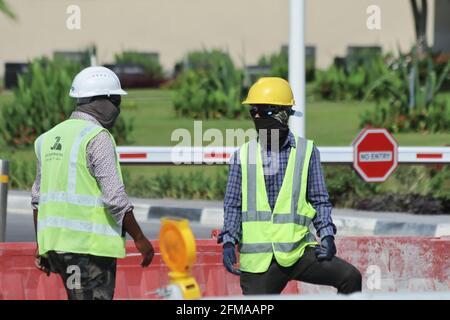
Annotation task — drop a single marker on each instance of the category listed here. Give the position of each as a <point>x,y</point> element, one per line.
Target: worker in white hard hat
<point>275,192</point>
<point>81,210</point>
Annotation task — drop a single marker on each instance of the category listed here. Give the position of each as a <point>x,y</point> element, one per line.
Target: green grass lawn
<point>327,123</point>
<point>155,120</point>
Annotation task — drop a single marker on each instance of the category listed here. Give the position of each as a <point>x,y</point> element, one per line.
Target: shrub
<point>41,101</point>
<point>331,84</point>
<point>349,81</point>
<point>208,87</point>
<point>409,99</point>
<point>278,63</point>
<point>440,183</point>
<point>22,174</point>
<point>206,60</point>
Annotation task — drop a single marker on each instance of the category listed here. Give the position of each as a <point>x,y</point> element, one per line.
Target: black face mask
<point>103,110</point>
<point>270,129</point>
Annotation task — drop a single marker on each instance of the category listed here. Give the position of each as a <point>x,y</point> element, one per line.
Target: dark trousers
<point>85,277</point>
<point>336,272</point>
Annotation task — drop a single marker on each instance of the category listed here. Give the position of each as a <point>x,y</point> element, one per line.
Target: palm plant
<point>410,99</point>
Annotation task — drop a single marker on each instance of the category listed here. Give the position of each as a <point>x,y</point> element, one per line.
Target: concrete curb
<point>203,214</point>
<point>346,225</point>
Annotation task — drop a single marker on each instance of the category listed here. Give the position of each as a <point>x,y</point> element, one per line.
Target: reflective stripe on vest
<point>78,225</point>
<point>280,246</point>
<point>278,218</point>
<point>77,199</point>
<point>72,177</point>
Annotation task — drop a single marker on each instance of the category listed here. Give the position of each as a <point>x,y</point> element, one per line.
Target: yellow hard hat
<point>270,90</point>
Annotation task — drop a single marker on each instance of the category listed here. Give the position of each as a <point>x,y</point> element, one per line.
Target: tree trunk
<point>420,24</point>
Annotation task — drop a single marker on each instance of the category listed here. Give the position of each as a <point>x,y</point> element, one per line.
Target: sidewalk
<point>347,221</point>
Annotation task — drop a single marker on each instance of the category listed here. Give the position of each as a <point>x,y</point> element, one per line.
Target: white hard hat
<point>95,81</point>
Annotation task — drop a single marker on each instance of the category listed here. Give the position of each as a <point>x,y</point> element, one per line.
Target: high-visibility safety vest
<point>284,231</point>
<point>72,216</point>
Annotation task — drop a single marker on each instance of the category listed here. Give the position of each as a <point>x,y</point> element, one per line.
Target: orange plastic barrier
<point>387,264</point>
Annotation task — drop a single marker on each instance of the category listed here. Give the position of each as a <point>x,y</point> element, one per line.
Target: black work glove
<point>229,258</point>
<point>42,263</point>
<point>326,250</point>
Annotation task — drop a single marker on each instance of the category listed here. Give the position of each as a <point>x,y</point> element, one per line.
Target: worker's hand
<point>146,249</point>
<point>41,263</point>
<point>229,258</point>
<point>326,250</point>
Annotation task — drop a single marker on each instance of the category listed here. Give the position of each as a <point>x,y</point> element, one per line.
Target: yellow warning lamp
<point>178,250</point>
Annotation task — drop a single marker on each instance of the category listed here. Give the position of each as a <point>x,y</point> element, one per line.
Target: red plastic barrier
<point>387,264</point>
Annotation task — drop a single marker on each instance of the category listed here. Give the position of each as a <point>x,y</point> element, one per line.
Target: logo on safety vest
<point>57,146</point>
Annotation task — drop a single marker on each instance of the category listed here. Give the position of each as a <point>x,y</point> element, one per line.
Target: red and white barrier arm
<point>424,154</point>
<point>221,155</point>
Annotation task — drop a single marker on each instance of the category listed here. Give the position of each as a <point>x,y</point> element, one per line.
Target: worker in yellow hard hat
<point>275,191</point>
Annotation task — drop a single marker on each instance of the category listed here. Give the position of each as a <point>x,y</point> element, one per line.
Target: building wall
<point>247,29</point>
<point>442,26</point>
<point>334,25</point>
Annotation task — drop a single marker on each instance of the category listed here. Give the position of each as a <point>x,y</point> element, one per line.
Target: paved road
<point>19,228</point>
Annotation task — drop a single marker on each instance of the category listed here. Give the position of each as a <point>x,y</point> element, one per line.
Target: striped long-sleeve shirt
<point>317,193</point>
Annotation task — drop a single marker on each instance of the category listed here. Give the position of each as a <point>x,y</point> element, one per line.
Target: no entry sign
<point>375,154</point>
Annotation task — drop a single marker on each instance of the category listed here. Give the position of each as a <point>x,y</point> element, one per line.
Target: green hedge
<point>193,185</point>
<point>22,174</point>
<point>416,189</point>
